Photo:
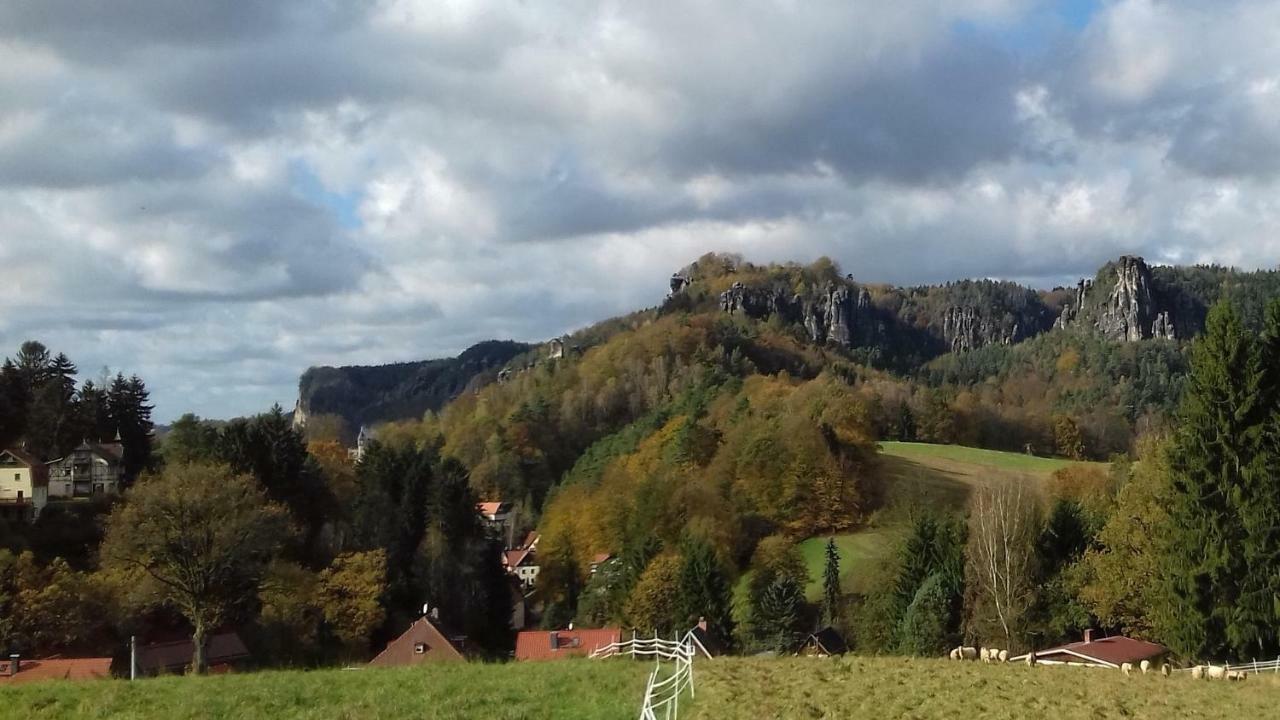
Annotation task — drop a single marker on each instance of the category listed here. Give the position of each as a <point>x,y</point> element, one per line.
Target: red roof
<point>493,508</point>
<point>57,669</point>
<point>600,558</point>
<point>1111,651</point>
<point>513,558</point>
<point>423,641</point>
<point>538,645</point>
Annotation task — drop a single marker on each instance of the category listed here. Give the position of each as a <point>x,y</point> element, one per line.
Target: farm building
<point>557,644</point>
<point>18,671</point>
<point>824,643</point>
<point>222,652</point>
<point>1108,652</point>
<point>424,641</point>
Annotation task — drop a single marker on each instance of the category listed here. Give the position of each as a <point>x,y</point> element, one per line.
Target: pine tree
<point>1218,438</point>
<point>831,584</point>
<point>704,592</point>
<point>776,620</point>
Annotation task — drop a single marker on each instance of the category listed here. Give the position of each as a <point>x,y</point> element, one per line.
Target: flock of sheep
<point>993,655</point>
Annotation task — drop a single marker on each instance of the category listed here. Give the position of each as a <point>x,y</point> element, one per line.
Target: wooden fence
<point>661,696</point>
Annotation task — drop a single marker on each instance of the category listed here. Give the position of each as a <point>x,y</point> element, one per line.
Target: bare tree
<point>1005,520</point>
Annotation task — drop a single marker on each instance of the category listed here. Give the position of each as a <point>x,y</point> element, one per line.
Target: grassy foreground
<point>577,689</point>
<point>893,688</point>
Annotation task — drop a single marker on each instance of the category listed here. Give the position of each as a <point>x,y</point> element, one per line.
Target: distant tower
<point>362,442</point>
<point>557,349</point>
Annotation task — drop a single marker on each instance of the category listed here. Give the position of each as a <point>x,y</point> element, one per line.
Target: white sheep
<point>1003,656</point>
<point>1165,670</point>
<point>1127,669</point>
<point>954,654</point>
<point>1236,675</point>
<point>1197,672</point>
<point>1145,666</point>
<point>1031,659</point>
<point>982,654</point>
<point>1216,672</point>
<point>969,653</point>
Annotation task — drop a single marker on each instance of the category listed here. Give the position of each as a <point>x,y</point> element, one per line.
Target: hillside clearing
<point>859,553</point>
<point>871,688</point>
<point>571,689</point>
<point>996,459</point>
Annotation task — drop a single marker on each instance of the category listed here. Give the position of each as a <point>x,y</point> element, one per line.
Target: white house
<point>24,485</point>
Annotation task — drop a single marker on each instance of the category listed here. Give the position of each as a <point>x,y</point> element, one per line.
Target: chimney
<point>435,613</point>
<point>555,640</point>
<point>15,664</point>
<point>1088,635</point>
<point>702,624</point>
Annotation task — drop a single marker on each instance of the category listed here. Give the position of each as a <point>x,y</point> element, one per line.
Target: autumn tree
<point>652,605</point>
<point>1003,528</point>
<point>350,595</point>
<point>203,535</point>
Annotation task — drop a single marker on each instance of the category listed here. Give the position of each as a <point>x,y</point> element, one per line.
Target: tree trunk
<point>198,663</point>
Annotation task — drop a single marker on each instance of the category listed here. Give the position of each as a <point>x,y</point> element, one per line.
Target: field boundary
<point>661,696</point>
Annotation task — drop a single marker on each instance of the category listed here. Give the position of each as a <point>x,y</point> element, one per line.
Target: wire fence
<point>661,696</point>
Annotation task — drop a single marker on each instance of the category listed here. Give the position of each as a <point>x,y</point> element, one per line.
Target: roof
<point>601,558</point>
<point>1109,652</point>
<point>436,644</point>
<point>537,644</point>
<point>530,540</point>
<point>57,669</point>
<point>493,508</point>
<point>22,456</point>
<point>704,642</point>
<point>829,641</point>
<point>515,558</point>
<point>175,656</point>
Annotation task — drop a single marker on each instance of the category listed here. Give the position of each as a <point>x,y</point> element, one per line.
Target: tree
<point>1004,525</point>
<point>1067,437</point>
<point>925,624</point>
<point>652,605</point>
<point>776,617</point>
<point>350,595</point>
<point>203,534</point>
<point>190,440</point>
<point>1219,436</point>
<point>704,592</point>
<point>831,594</point>
<point>130,413</point>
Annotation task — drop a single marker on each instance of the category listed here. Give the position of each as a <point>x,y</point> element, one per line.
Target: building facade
<point>24,485</point>
<point>91,470</point>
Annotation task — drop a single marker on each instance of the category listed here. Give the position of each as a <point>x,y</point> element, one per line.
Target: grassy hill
<point>571,689</point>
<point>874,688</point>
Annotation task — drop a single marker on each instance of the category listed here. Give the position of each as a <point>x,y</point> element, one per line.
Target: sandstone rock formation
<point>1133,310</point>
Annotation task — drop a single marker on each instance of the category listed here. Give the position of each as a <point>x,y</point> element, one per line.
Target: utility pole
<point>133,657</point>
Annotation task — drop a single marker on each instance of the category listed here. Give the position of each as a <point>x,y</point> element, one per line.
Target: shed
<point>824,643</point>
<point>1108,652</point>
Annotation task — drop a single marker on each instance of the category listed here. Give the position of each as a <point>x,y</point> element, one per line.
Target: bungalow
<point>24,485</point>
<point>1107,652</point>
<point>424,641</point>
<point>824,643</point>
<point>18,671</point>
<point>557,644</point>
<point>222,652</point>
<point>90,470</point>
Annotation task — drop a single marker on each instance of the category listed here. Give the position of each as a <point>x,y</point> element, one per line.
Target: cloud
<point>218,197</point>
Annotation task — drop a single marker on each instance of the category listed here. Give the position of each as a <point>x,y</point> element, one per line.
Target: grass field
<point>572,689</point>
<point>891,688</point>
<point>859,553</point>
<point>975,456</point>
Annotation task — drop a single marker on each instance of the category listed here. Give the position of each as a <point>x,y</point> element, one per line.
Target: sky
<point>216,196</point>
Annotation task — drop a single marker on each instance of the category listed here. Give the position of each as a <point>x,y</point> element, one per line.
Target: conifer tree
<point>1218,438</point>
<point>704,592</point>
<point>831,584</point>
<point>776,618</point>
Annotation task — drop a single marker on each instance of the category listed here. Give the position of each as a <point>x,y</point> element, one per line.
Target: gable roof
<point>493,508</point>
<point>828,641</point>
<point>437,645</point>
<point>57,669</point>
<point>175,656</point>
<point>516,558</point>
<point>538,644</point>
<point>21,456</point>
<point>1109,652</point>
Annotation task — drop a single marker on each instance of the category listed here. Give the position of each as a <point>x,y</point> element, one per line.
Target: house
<point>424,641</point>
<point>556,350</point>
<point>523,561</point>
<point>704,643</point>
<point>497,516</point>
<point>24,485</point>
<point>18,671</point>
<point>557,644</point>
<point>598,560</point>
<point>1108,652</point>
<point>824,643</point>
<point>363,441</point>
<point>90,470</point>
<point>222,652</point>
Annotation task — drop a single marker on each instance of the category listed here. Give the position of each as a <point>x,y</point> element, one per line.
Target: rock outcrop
<point>1133,310</point>
<point>841,314</point>
<point>968,328</point>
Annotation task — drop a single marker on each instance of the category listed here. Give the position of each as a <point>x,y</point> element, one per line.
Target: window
<point>419,648</point>
<point>17,477</point>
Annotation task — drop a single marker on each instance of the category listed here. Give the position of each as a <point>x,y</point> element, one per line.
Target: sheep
<point>1236,675</point>
<point>969,653</point>
<point>1216,672</point>
<point>1003,656</point>
<point>983,654</point>
<point>1165,670</point>
<point>954,654</point>
<point>1197,672</point>
<point>1127,669</point>
<point>1031,659</point>
<point>1145,666</point>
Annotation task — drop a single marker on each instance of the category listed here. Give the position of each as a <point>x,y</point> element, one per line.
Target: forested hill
<point>369,394</point>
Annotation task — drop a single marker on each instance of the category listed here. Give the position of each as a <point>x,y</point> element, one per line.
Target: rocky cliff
<point>363,395</point>
<point>1127,304</point>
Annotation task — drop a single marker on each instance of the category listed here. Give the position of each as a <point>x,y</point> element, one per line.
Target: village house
<point>24,485</point>
<point>497,517</point>
<point>90,470</point>
<point>523,561</point>
<point>18,671</point>
<point>1108,652</point>
<point>558,644</point>
<point>824,643</point>
<point>424,641</point>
